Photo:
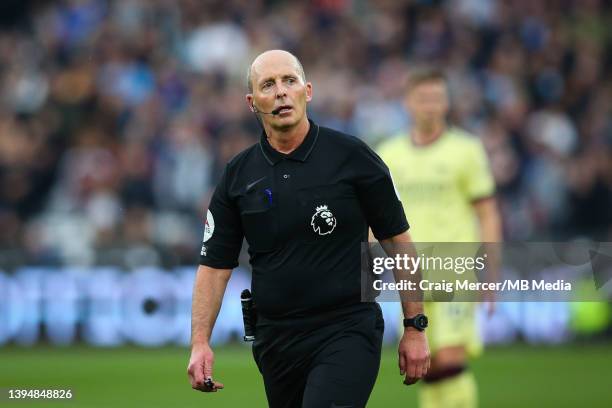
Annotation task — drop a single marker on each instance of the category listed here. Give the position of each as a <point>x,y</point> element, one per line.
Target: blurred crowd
<point>117,116</point>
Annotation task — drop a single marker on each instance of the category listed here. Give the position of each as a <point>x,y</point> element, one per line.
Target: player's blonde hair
<point>423,75</point>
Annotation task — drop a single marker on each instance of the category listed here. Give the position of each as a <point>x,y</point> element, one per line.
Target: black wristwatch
<point>419,322</point>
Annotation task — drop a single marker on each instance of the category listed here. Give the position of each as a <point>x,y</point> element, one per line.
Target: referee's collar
<point>302,152</point>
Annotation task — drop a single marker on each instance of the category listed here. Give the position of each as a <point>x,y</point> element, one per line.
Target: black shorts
<point>323,361</point>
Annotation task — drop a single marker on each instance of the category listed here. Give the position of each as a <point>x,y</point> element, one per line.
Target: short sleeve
<point>377,194</point>
<point>223,232</point>
<point>477,178</point>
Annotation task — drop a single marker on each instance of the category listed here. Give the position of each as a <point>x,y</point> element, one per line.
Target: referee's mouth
<point>283,110</point>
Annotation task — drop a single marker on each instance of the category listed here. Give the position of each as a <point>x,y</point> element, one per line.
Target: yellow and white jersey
<point>438,184</point>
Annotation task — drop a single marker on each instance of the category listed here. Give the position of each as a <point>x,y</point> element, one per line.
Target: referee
<point>303,197</point>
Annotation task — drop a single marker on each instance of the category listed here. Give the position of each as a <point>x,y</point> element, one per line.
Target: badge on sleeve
<point>209,226</point>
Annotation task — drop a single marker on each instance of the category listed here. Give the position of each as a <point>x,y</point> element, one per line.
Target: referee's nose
<point>281,91</point>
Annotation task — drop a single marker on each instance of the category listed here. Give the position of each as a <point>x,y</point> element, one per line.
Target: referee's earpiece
<point>253,108</point>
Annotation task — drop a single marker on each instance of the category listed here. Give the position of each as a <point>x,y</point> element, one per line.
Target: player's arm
<point>480,188</point>
<point>490,225</point>
<point>208,290</point>
<point>413,350</point>
<point>489,220</point>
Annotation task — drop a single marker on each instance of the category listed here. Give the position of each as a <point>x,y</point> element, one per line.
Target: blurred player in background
<point>445,185</point>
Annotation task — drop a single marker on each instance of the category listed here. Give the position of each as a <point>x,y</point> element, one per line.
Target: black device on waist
<point>249,315</point>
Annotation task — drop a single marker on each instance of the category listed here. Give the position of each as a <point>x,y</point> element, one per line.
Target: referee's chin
<point>287,123</point>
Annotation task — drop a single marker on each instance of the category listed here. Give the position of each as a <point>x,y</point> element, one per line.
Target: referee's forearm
<point>412,308</point>
<point>411,299</point>
<point>208,289</point>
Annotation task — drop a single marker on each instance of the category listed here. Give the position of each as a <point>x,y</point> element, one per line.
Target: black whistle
<point>248,315</point>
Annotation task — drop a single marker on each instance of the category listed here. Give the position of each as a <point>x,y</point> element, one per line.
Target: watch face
<point>421,321</point>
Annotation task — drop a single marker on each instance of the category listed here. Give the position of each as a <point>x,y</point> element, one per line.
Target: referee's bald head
<point>272,57</point>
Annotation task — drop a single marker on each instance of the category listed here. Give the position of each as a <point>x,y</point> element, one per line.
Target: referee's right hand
<point>200,369</point>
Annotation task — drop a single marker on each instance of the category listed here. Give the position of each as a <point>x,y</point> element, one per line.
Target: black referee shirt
<point>304,216</point>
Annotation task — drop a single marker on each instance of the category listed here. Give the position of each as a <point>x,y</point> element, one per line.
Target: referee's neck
<point>287,140</point>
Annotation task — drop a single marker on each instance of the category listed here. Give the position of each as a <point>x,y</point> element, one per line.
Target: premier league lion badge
<point>323,221</point>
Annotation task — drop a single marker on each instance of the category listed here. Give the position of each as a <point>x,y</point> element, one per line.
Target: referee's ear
<point>308,91</point>
<point>249,101</point>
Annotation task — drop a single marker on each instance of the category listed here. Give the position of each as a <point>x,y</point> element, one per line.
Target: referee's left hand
<point>414,357</point>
